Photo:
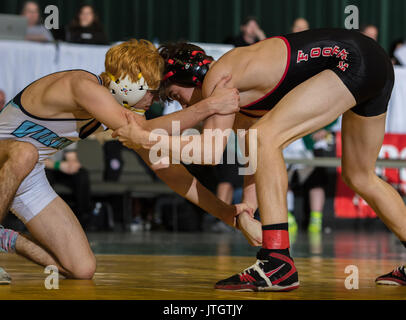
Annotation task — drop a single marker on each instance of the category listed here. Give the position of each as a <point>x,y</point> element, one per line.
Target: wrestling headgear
<point>187,67</point>
<point>128,93</point>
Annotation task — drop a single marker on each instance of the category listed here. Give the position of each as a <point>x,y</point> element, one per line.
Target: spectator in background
<point>86,27</point>
<point>320,143</point>
<point>370,31</point>
<point>250,33</point>
<point>395,45</point>
<point>2,99</point>
<point>65,168</point>
<point>299,25</point>
<point>35,30</point>
<point>314,180</point>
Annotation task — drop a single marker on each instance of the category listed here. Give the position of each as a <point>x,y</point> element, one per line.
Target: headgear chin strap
<point>187,68</point>
<point>128,93</point>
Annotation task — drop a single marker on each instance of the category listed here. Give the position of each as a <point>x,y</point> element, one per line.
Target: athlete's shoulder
<point>219,70</point>
<point>77,75</point>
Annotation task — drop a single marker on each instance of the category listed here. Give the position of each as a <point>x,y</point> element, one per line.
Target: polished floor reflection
<point>165,266</point>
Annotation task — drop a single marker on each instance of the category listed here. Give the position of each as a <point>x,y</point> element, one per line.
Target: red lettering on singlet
<point>336,50</point>
<point>343,65</point>
<point>327,51</point>
<point>301,56</point>
<point>343,54</point>
<point>315,53</point>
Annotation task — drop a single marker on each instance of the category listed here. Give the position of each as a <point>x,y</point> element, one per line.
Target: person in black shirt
<point>250,33</point>
<point>86,28</point>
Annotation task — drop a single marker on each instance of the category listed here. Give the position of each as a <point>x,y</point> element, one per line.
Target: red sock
<point>275,237</point>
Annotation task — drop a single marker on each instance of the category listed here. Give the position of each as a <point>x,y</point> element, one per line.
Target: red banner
<point>347,204</point>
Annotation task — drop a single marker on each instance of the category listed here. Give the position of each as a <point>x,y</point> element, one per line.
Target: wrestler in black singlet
<point>360,62</point>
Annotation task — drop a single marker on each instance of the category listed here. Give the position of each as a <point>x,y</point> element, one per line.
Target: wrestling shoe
<point>271,272</point>
<point>4,277</point>
<point>396,277</point>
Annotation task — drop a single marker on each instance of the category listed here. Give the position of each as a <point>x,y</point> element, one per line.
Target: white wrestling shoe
<point>4,277</point>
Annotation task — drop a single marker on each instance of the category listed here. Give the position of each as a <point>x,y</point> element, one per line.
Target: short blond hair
<point>132,57</point>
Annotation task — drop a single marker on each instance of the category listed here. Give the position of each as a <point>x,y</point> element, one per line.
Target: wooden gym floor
<point>169,266</point>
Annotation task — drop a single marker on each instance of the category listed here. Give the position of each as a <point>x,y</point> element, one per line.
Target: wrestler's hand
<point>225,100</point>
<point>132,135</point>
<point>229,215</point>
<point>250,228</point>
<point>141,120</point>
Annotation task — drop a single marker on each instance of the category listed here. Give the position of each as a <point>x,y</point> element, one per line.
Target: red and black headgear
<point>185,64</point>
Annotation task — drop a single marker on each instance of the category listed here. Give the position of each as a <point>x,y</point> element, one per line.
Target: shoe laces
<point>257,264</point>
<point>401,269</point>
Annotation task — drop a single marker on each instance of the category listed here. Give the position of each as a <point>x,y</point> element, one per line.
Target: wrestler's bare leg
<point>62,240</point>
<point>362,139</point>
<point>17,159</point>
<point>307,108</point>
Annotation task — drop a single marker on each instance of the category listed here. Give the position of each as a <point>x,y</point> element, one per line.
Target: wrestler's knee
<point>358,179</point>
<point>22,157</point>
<point>265,137</point>
<point>83,269</point>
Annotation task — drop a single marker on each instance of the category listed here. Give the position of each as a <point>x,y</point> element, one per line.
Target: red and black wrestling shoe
<point>271,272</point>
<point>395,278</point>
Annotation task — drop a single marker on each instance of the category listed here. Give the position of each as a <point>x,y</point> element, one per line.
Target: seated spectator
<point>143,209</point>
<point>370,31</point>
<point>86,28</point>
<point>2,99</point>
<point>300,24</point>
<point>395,45</point>
<point>64,168</point>
<point>319,144</point>
<point>250,33</point>
<point>35,30</point>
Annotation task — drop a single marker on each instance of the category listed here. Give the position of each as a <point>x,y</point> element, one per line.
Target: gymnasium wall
<point>214,20</point>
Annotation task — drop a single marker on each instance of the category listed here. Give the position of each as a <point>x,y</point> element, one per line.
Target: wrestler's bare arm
<point>222,101</point>
<point>187,186</point>
<point>99,102</point>
<point>249,192</point>
<point>186,118</point>
<point>211,145</point>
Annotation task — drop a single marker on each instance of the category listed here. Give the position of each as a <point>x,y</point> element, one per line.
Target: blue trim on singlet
<point>13,104</point>
<point>17,99</point>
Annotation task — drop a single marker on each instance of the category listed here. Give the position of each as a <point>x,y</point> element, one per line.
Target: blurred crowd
<point>85,27</point>
<point>66,169</point>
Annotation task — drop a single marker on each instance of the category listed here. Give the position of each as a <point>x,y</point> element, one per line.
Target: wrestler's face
<point>146,101</point>
<point>186,96</point>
